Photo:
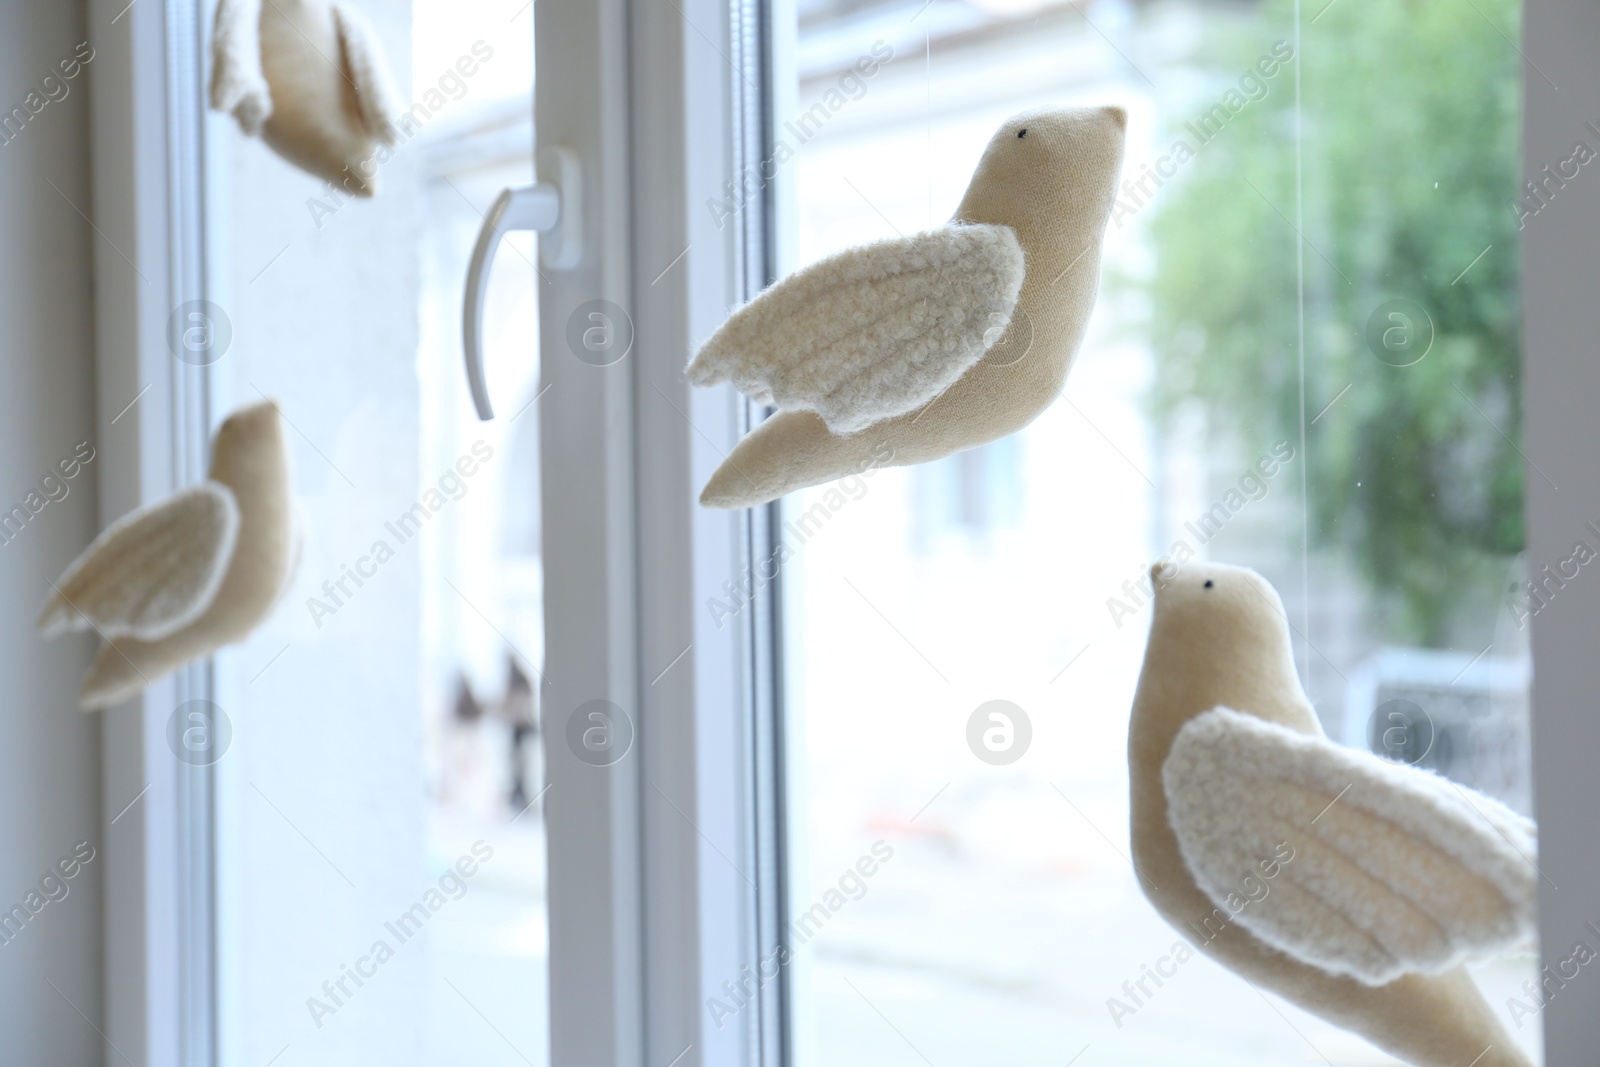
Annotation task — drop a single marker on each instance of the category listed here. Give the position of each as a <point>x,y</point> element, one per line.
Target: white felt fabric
<point>238,84</point>
<point>176,581</point>
<point>872,332</point>
<point>1395,870</point>
<point>376,99</point>
<point>1050,177</point>
<point>152,572</point>
<point>1219,639</point>
<point>310,79</point>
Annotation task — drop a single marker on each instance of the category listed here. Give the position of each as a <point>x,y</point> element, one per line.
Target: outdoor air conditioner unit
<point>1462,717</point>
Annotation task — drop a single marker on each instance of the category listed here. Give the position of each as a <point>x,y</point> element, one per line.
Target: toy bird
<point>309,78</point>
<point>910,349</point>
<point>177,580</point>
<point>1353,886</point>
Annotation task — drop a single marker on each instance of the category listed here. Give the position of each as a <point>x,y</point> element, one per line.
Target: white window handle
<point>554,208</point>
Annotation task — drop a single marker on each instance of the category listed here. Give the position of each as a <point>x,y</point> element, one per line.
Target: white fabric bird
<point>308,77</point>
<point>909,349</point>
<point>175,581</point>
<point>873,332</point>
<point>1384,879</point>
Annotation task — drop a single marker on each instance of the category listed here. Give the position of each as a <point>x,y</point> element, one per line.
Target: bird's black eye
<point>1209,583</point>
<point>1022,132</point>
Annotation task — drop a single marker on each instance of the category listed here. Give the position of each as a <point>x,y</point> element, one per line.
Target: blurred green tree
<point>1409,123</point>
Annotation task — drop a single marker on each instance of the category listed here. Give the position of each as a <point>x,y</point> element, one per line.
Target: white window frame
<point>152,417</point>
<point>1561,388</point>
<point>651,910</point>
<point>633,560</point>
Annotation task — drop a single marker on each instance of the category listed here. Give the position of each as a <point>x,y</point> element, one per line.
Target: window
<point>1006,921</point>
<point>381,862</point>
<point>400,768</point>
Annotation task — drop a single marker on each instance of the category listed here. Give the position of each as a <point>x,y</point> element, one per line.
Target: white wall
<point>49,752</point>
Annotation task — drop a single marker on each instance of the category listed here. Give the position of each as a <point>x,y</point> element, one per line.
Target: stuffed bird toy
<point>917,347</point>
<point>177,580</point>
<point>1353,886</point>
<point>308,77</point>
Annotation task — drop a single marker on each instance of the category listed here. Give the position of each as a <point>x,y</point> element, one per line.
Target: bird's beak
<point>1162,572</point>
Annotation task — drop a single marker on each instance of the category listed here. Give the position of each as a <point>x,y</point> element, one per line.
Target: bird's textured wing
<point>238,85</point>
<point>1392,870</point>
<point>872,332</point>
<point>369,72</point>
<point>152,572</point>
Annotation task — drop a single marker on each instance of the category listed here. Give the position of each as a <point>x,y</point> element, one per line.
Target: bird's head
<point>1216,609</point>
<point>248,442</point>
<point>1059,164</point>
<point>249,422</point>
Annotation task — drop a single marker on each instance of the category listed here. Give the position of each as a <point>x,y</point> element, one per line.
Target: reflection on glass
<point>1312,270</point>
<point>482,611</point>
<point>381,876</point>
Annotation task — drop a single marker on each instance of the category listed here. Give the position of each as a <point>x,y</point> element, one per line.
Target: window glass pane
<point>382,861</point>
<point>1322,281</point>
